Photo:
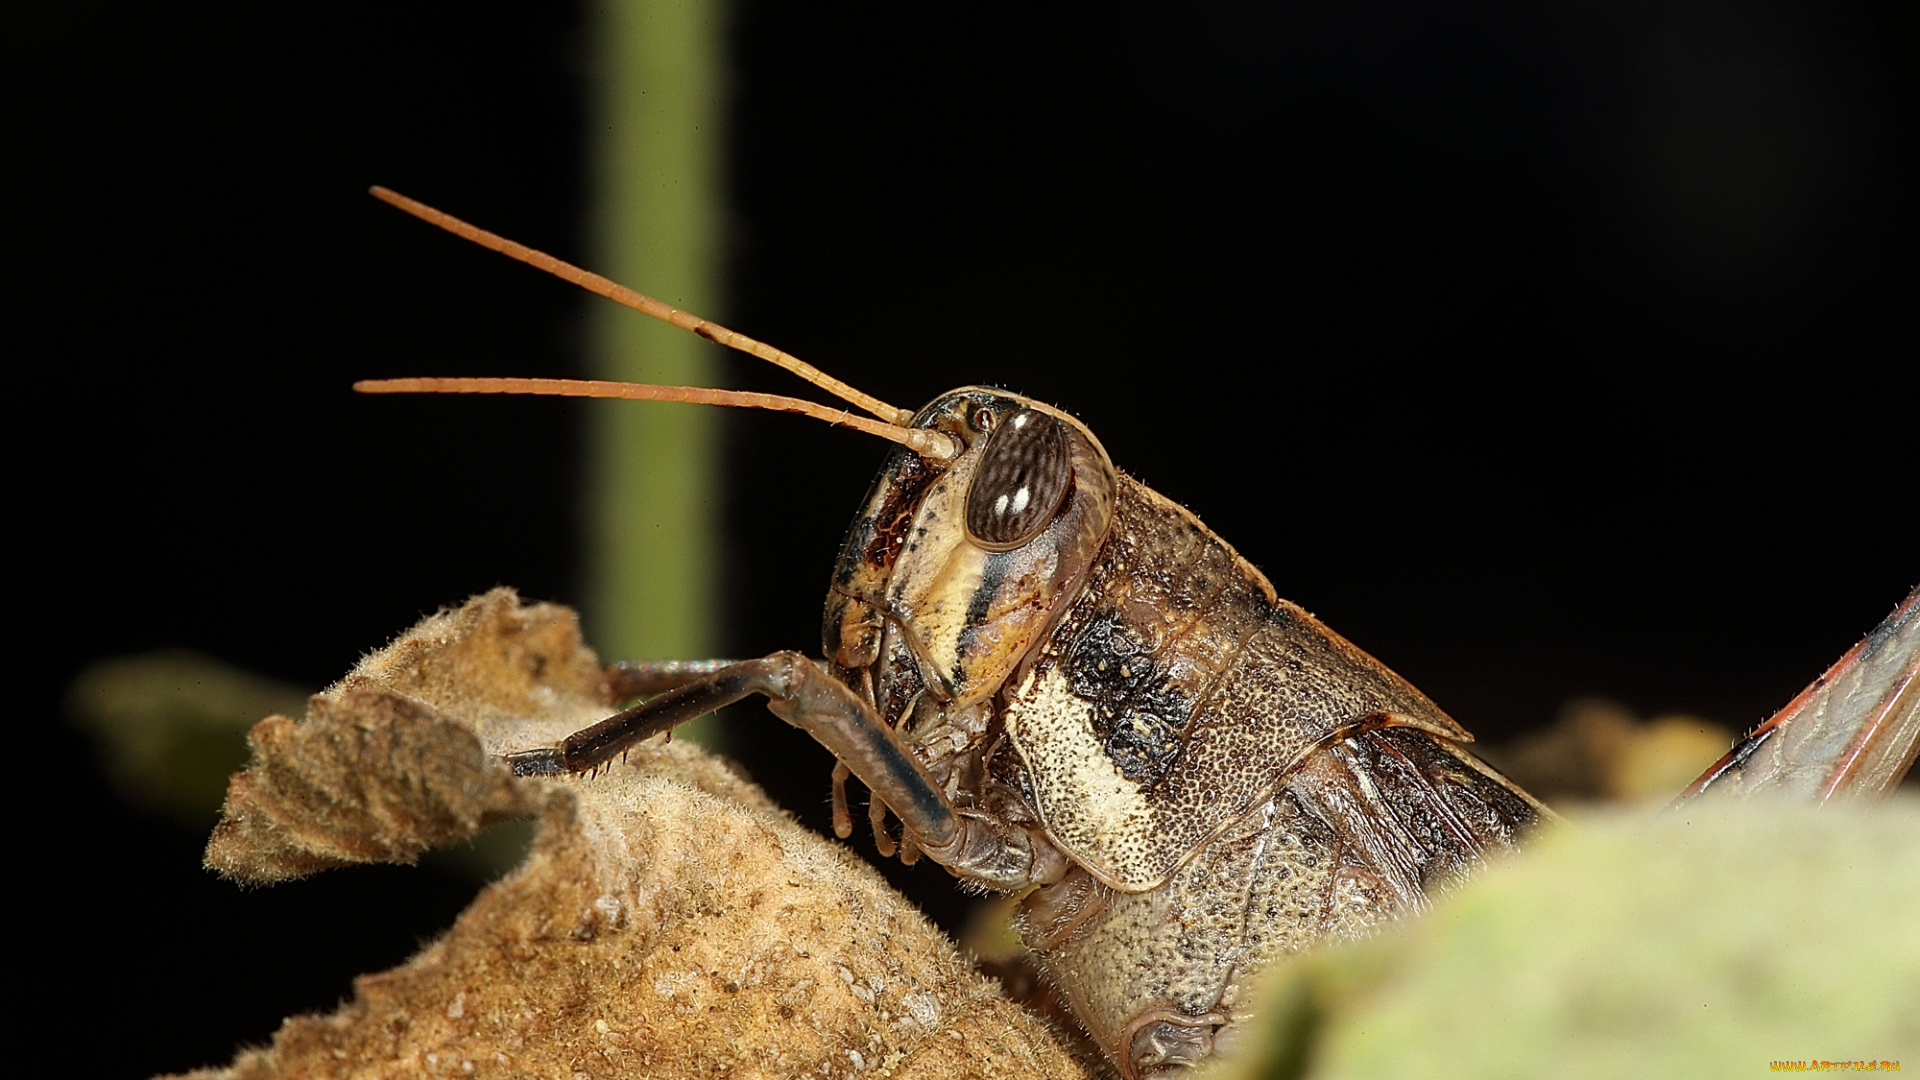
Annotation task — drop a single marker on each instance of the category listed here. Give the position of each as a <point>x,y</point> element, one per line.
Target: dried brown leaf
<point>669,921</point>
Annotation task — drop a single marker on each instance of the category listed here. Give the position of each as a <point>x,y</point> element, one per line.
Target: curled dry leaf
<point>669,920</point>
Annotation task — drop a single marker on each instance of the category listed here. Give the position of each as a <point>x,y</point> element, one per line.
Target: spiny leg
<point>629,679</point>
<point>799,691</point>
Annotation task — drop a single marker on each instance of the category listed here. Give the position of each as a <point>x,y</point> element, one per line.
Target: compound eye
<point>1022,479</point>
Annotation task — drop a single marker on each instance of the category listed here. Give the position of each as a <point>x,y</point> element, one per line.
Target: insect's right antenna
<point>646,305</point>
<point>932,445</point>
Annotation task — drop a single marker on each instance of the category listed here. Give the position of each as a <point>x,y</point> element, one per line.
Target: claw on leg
<point>542,762</point>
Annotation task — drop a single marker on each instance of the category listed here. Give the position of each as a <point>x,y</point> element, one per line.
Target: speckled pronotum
<point>1063,683</point>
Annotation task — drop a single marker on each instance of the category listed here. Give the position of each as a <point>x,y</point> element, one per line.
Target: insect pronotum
<point>1061,682</point>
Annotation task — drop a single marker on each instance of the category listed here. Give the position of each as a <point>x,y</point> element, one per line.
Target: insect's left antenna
<point>646,305</point>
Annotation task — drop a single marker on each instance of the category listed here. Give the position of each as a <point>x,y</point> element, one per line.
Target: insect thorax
<point>1175,692</point>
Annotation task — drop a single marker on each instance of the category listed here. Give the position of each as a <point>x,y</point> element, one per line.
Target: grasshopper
<point>1063,685</point>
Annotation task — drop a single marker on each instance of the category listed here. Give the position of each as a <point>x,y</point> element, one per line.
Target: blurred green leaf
<point>1706,942</point>
<point>171,726</point>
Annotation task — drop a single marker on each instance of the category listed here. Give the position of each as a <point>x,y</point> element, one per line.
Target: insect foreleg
<point>630,679</point>
<point>802,693</point>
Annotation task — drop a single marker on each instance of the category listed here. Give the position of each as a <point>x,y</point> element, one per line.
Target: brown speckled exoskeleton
<point>1063,683</point>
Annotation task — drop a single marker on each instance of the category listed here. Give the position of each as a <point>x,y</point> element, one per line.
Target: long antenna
<point>928,444</point>
<point>646,305</point>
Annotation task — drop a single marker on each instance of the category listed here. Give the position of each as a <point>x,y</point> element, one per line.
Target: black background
<point>1542,350</point>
